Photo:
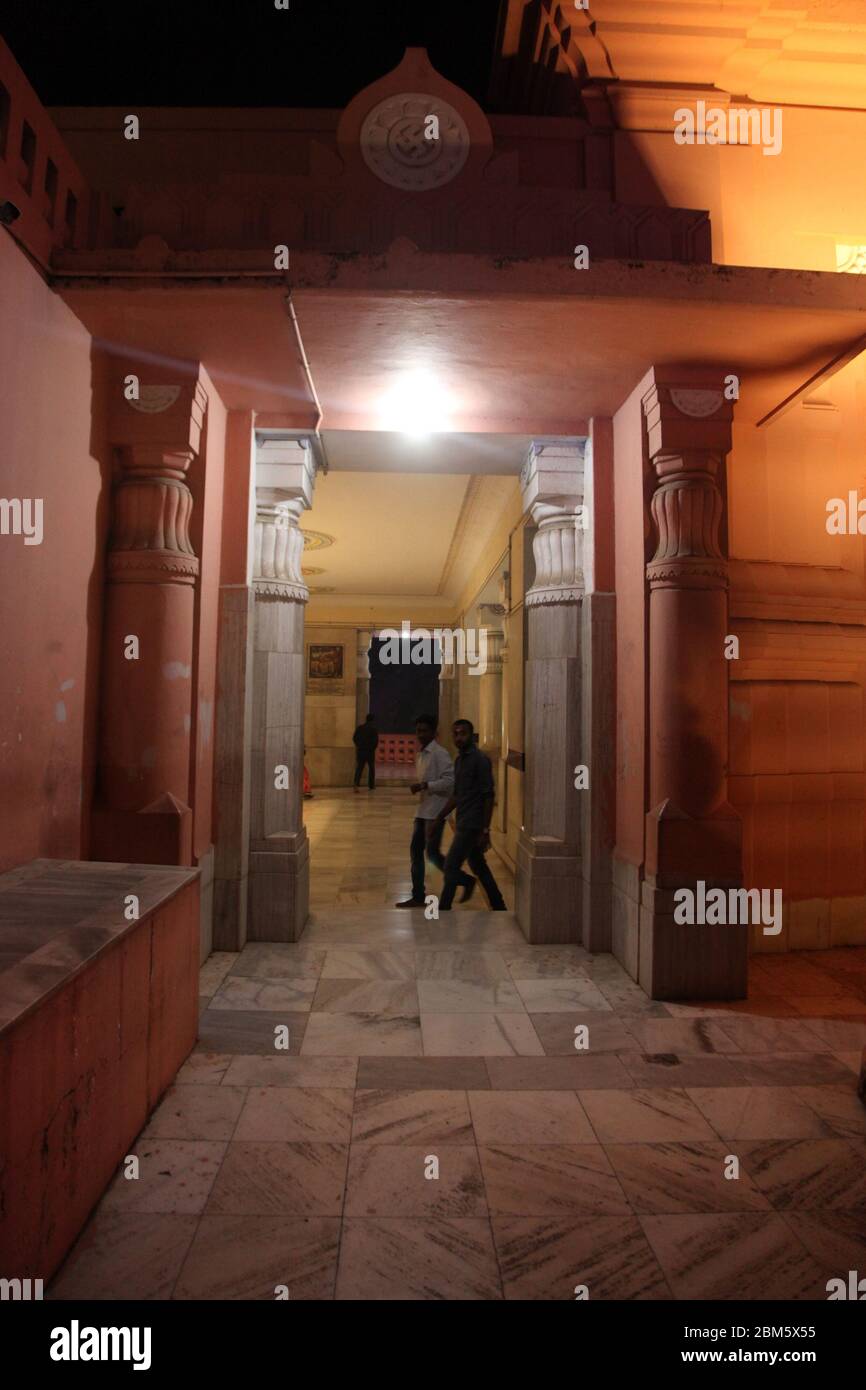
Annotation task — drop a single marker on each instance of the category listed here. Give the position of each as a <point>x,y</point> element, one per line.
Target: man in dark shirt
<point>473,798</point>
<point>366,741</point>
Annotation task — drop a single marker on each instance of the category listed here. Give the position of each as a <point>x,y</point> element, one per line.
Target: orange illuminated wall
<point>50,594</point>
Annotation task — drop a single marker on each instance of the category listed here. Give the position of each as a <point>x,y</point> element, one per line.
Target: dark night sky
<point>319,53</point>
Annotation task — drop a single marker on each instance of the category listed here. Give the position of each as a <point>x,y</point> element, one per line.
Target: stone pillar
<point>234,707</point>
<point>142,813</point>
<point>362,679</point>
<point>279,849</point>
<point>490,617</point>
<point>692,831</point>
<point>447,712</point>
<point>548,854</point>
<point>500,811</point>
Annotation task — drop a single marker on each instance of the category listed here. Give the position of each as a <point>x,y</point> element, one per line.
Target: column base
<point>160,834</point>
<point>549,892</point>
<point>279,887</point>
<point>678,960</point>
<point>682,961</point>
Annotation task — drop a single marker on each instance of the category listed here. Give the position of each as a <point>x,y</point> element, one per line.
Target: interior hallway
<point>411,1039</point>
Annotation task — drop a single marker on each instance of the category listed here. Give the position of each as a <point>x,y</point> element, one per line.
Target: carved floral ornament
<point>415,141</point>
<point>698,405</point>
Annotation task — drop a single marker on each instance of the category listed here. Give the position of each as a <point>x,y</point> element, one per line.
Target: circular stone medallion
<point>395,143</point>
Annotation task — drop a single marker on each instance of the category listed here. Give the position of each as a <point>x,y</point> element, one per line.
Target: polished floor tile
<point>196,1112</point>
<point>404,1258</point>
<point>809,1173</point>
<point>550,1180</point>
<point>286,1179</point>
<point>245,992</point>
<point>603,1071</point>
<point>746,1255</point>
<point>546,996</point>
<point>125,1255</point>
<point>345,1034</point>
<point>385,998</point>
<point>423,1073</point>
<point>529,1117</point>
<point>295,1114</point>
<point>638,1116</point>
<point>356,963</point>
<point>333,1073</point>
<point>411,1117</point>
<point>683,1177</point>
<point>461,997</point>
<point>174,1175</point>
<point>412,1180</point>
<point>596,1033</point>
<point>552,1258</point>
<point>757,1112</point>
<point>250,1257</point>
<point>247,1032</point>
<point>479,1035</point>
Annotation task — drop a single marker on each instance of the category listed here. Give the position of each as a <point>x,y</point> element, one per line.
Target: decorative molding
<point>397,150</point>
<point>153,400</point>
<point>552,482</point>
<point>686,507</point>
<point>137,566</point>
<point>316,540</point>
<point>698,405</point>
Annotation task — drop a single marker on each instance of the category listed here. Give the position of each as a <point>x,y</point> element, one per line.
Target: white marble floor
<point>430,1131</point>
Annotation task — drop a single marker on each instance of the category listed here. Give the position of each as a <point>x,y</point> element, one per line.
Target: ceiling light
<point>416,405</point>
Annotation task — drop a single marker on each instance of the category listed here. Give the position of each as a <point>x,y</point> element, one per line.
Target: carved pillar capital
<point>688,435</point>
<point>491,615</point>
<point>552,484</point>
<point>156,433</point>
<point>285,474</point>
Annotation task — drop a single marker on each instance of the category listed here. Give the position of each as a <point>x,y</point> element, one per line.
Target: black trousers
<point>370,760</point>
<point>465,846</point>
<point>419,846</point>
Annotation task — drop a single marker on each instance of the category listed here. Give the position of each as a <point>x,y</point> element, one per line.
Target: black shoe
<point>411,902</point>
<point>469,890</point>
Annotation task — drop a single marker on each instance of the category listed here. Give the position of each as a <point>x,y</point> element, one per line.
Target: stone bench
<point>98,1010</point>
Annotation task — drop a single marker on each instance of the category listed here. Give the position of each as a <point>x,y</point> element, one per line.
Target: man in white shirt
<point>434,773</point>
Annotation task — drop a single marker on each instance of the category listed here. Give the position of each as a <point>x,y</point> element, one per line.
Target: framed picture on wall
<point>326,662</point>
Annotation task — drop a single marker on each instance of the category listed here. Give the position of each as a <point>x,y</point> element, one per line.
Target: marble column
<point>693,833</point>
<point>500,810</point>
<point>447,699</point>
<point>490,617</point>
<point>362,679</point>
<point>279,849</point>
<point>548,854</point>
<point>141,811</point>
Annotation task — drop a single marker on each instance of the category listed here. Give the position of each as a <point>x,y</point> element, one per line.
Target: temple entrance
<point>408,571</point>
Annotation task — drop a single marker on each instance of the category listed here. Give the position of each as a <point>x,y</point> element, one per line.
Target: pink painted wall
<point>628,448</point>
<point>206,483</point>
<point>49,593</point>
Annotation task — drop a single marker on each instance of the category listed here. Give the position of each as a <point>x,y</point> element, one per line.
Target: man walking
<point>473,797</point>
<point>434,773</point>
<point>366,741</point>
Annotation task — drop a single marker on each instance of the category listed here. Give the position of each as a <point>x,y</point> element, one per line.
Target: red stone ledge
<point>97,1013</point>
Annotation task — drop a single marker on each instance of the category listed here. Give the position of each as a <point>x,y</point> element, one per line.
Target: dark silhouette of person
<point>473,797</point>
<point>366,741</point>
